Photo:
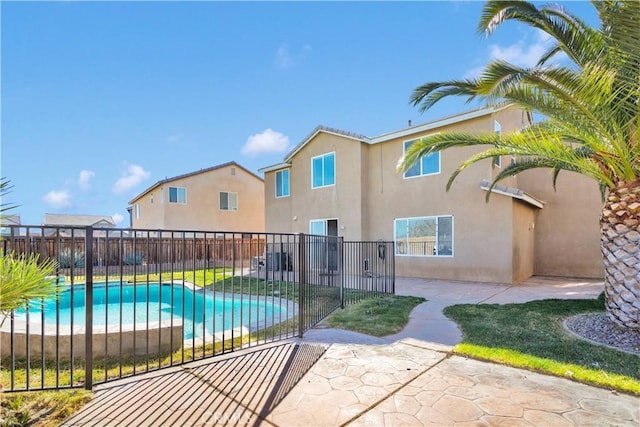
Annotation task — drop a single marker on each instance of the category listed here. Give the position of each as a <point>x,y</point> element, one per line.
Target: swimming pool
<point>201,313</point>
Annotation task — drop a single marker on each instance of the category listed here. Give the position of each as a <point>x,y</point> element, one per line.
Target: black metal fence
<point>160,299</point>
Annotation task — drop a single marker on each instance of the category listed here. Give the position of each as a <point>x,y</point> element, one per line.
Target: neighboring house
<point>59,222</point>
<point>226,197</point>
<point>341,183</point>
<point>7,220</point>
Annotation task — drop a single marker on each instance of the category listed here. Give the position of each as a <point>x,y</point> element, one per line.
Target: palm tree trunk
<point>620,242</point>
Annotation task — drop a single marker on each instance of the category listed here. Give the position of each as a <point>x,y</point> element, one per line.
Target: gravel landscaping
<point>598,328</point>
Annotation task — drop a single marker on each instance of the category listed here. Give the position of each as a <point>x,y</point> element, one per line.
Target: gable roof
<point>186,175</point>
<point>10,220</point>
<point>445,121</point>
<point>324,129</point>
<point>78,220</point>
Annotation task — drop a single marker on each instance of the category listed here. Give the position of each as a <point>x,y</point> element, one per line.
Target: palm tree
<point>587,86</point>
<point>22,277</point>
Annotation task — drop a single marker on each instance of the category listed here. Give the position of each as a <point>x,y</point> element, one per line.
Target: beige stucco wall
<point>482,231</point>
<point>505,240</point>
<point>202,209</point>
<point>567,231</point>
<point>524,216</point>
<point>341,201</point>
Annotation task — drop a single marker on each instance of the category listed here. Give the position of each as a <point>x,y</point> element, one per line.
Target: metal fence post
<point>340,256</point>
<point>302,278</point>
<point>88,301</point>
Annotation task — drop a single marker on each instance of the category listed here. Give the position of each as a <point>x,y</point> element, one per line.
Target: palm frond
<point>24,278</point>
<point>430,93</point>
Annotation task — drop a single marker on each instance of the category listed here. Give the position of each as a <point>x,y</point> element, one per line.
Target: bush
<point>67,260</point>
<point>133,258</point>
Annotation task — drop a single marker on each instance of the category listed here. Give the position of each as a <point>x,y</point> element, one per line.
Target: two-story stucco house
<point>345,184</point>
<point>226,197</point>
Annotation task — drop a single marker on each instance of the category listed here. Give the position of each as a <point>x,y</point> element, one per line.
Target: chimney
<point>409,123</point>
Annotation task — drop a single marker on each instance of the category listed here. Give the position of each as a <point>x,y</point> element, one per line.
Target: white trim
<point>309,138</point>
<point>326,223</point>
<point>395,238</point>
<point>446,121</point>
<point>497,128</point>
<point>404,150</point>
<point>275,187</point>
<point>274,167</point>
<point>334,170</point>
<point>438,123</point>
<point>237,201</point>
<point>178,202</point>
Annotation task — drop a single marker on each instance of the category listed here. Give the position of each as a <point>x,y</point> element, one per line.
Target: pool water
<point>201,314</point>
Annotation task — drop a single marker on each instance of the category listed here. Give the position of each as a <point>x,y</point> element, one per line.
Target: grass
<point>376,316</point>
<point>199,277</point>
<point>43,408</point>
<point>531,336</point>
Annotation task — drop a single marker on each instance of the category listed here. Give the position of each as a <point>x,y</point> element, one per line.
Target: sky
<point>100,100</point>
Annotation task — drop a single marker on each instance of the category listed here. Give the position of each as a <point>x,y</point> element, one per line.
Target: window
<point>151,198</point>
<point>428,165</point>
<point>497,129</point>
<point>177,195</point>
<point>137,211</point>
<point>282,183</point>
<point>161,195</point>
<point>424,236</point>
<point>228,201</point>
<point>323,170</point>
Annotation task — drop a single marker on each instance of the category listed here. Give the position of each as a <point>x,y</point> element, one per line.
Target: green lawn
<point>531,335</point>
<point>379,317</point>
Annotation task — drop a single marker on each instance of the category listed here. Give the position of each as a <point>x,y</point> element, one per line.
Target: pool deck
<point>336,378</point>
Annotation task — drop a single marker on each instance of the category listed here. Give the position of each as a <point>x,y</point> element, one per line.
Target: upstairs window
<point>228,201</point>
<point>323,170</point>
<point>282,183</point>
<point>497,129</point>
<point>177,195</point>
<point>428,165</point>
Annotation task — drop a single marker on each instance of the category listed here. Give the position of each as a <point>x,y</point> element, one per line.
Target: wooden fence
<point>109,251</point>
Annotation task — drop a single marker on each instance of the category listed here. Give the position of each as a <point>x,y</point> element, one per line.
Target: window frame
<point>497,129</point>
<point>178,202</point>
<point>281,172</point>
<point>324,179</point>
<point>228,203</point>
<point>419,162</point>
<point>436,241</point>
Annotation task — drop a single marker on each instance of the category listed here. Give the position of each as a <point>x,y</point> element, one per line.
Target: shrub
<point>67,260</point>
<point>133,258</point>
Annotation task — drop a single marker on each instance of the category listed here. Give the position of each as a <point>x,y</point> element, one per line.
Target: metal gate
<point>164,298</point>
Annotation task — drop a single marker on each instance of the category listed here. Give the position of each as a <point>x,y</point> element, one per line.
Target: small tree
<point>22,277</point>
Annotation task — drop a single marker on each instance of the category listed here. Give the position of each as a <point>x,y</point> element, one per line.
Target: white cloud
<point>285,58</point>
<point>84,178</point>
<point>521,53</point>
<point>58,199</point>
<point>117,218</point>
<point>133,176</point>
<point>268,141</point>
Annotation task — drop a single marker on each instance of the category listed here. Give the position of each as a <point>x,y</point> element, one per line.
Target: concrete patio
<point>334,378</point>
